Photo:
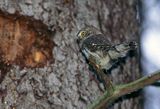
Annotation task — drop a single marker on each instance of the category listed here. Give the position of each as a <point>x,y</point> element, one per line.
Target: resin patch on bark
<point>24,41</point>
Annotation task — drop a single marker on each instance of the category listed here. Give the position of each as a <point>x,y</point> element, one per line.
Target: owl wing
<point>97,42</point>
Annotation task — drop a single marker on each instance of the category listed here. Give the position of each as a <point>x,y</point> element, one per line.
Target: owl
<point>99,51</point>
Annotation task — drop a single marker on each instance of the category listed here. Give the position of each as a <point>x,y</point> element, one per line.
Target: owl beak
<point>78,40</point>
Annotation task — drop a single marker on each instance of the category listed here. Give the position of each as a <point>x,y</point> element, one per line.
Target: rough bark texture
<point>66,84</point>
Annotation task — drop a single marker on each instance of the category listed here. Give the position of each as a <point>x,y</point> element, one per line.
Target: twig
<point>120,90</point>
<point>107,81</point>
<point>104,77</point>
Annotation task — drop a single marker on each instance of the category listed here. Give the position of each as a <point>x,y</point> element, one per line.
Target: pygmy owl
<point>99,51</point>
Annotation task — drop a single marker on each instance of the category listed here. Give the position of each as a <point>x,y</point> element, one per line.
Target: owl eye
<point>82,34</point>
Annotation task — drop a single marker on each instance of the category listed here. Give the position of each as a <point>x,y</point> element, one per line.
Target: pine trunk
<point>67,82</point>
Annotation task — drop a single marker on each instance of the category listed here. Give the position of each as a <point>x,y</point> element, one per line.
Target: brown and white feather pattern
<point>98,49</point>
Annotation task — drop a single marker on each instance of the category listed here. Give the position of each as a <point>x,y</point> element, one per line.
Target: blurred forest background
<point>67,83</point>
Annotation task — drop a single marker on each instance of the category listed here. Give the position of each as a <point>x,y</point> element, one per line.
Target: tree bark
<point>67,83</point>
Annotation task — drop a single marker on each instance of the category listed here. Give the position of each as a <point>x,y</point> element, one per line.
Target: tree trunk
<point>67,83</point>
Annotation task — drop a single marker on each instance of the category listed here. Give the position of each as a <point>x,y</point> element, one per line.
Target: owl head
<point>86,32</point>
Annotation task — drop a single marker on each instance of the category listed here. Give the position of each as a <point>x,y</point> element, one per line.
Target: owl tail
<point>133,45</point>
<point>123,49</point>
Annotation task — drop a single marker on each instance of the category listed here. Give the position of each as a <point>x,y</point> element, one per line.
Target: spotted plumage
<point>99,50</point>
